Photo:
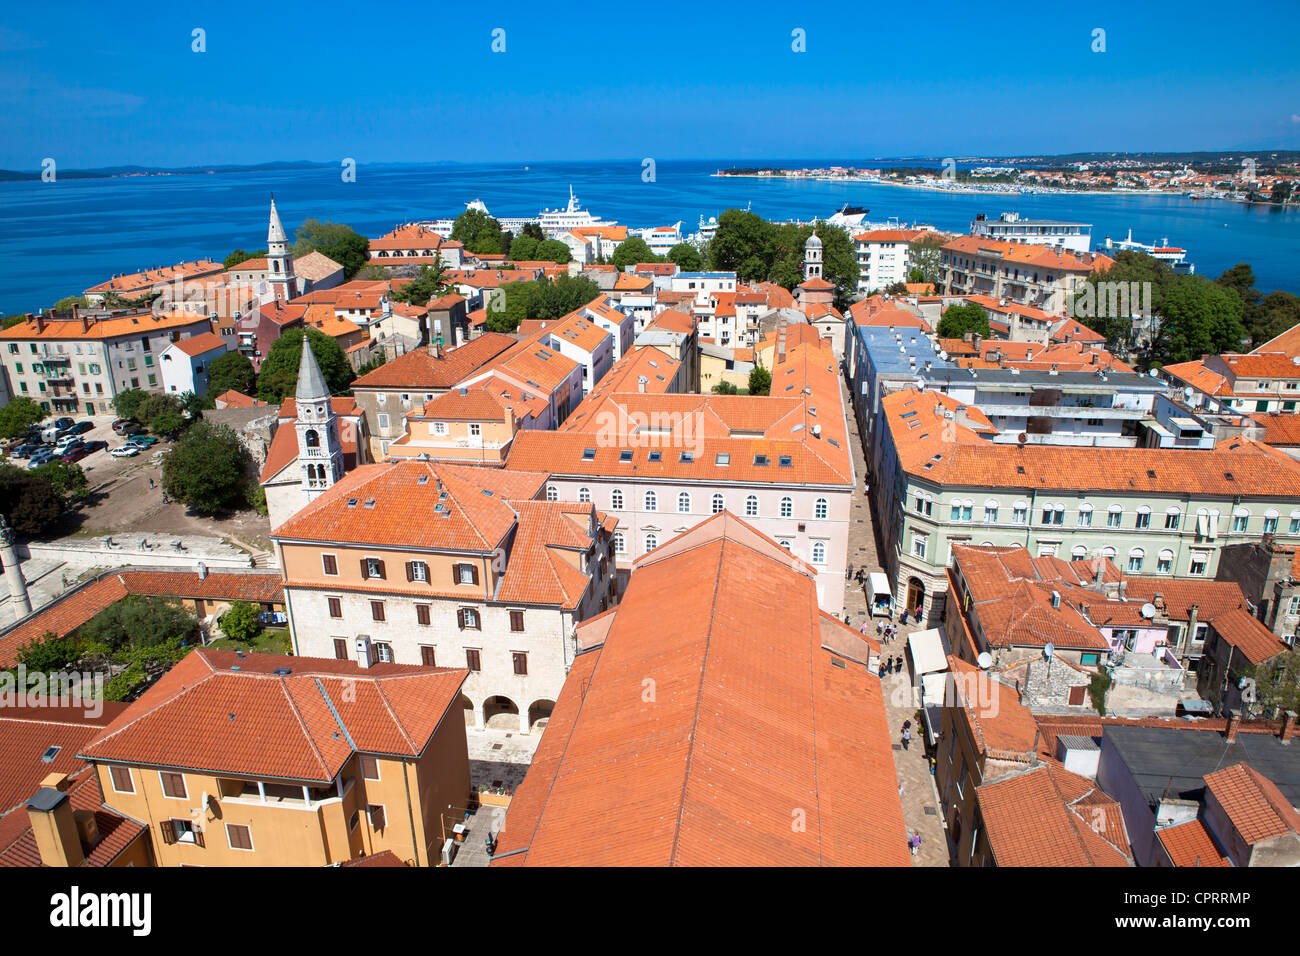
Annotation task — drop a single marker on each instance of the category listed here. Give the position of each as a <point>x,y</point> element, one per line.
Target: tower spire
<point>279,263</point>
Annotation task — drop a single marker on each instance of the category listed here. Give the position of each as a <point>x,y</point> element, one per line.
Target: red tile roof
<point>205,715</point>
<point>116,832</point>
<point>1253,803</point>
<point>197,345</point>
<point>1189,844</point>
<point>1245,632</point>
<point>752,723</point>
<point>418,369</point>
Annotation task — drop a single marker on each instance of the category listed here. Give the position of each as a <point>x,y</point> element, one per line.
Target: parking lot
<point>100,466</point>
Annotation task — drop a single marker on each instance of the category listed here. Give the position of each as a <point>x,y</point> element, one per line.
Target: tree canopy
<point>631,251</point>
<point>957,320</point>
<point>238,256</point>
<point>429,283</point>
<point>279,374</point>
<point>761,251</point>
<point>208,469</point>
<point>541,299</point>
<point>760,380</point>
<point>686,257</point>
<point>19,414</point>
<point>1198,317</point>
<point>28,500</point>
<point>232,371</point>
<point>339,242</point>
<point>480,233</point>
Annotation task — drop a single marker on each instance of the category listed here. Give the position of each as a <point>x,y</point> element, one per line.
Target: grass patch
<point>272,640</point>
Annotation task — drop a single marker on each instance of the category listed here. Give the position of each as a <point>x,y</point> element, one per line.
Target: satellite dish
<point>985,660</point>
<point>1148,611</point>
<point>1022,438</point>
<point>1048,650</point>
<point>1154,373</point>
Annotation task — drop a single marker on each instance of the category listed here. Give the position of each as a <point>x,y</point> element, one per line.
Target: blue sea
<point>58,238</point>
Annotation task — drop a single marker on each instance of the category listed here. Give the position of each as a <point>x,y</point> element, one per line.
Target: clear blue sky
<point>107,84</point>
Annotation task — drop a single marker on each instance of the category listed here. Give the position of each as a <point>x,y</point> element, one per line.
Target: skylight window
<point>352,502</point>
<point>588,454</point>
<point>687,458</point>
<point>760,461</point>
<point>723,459</point>
<point>785,461</point>
<point>656,456</point>
<point>50,754</point>
<point>625,455</point>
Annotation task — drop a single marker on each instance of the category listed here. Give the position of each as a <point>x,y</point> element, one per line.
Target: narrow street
<point>916,783</point>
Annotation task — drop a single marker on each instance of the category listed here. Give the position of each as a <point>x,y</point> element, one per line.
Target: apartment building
<point>185,363</point>
<point>470,426</point>
<point>415,243</point>
<point>884,257</point>
<point>135,285</point>
<point>662,463</point>
<point>577,338</point>
<point>1044,277</point>
<point>236,759</point>
<point>75,363</point>
<point>941,482</point>
<point>403,384</point>
<point>1075,236</point>
<point>1259,382</point>
<point>441,564</point>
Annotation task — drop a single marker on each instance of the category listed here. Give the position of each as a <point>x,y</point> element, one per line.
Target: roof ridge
<point>306,730</point>
<point>392,712</point>
<point>185,689</point>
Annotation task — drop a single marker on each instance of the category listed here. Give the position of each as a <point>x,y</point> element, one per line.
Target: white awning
<point>1084,506</point>
<point>1202,520</point>
<point>879,585</point>
<point>991,503</point>
<point>1271,513</point>
<point>1172,511</point>
<point>926,648</point>
<point>1115,509</point>
<point>934,687</point>
<point>1143,510</point>
<point>1240,512</point>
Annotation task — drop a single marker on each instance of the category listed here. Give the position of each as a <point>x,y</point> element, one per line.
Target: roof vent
<point>282,671</point>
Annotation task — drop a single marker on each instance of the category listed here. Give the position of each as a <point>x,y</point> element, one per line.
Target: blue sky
<point>94,85</point>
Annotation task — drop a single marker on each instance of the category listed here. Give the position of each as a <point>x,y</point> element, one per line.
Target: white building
<point>1075,236</point>
<point>185,363</point>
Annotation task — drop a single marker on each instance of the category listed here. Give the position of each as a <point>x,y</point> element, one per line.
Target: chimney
<point>1123,587</point>
<point>40,322</point>
<point>1234,724</point>
<point>202,571</point>
<point>53,823</point>
<point>640,383</point>
<point>1288,726</point>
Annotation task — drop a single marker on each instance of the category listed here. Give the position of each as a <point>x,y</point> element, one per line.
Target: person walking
<point>914,842</point>
<point>917,615</point>
<point>907,738</point>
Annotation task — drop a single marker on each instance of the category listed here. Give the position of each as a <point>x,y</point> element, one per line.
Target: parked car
<point>75,453</point>
<point>27,450</point>
<point>120,425</point>
<point>67,441</point>
<point>63,424</point>
<point>144,441</point>
<point>43,457</point>
<point>125,451</point>
<point>94,446</point>
<point>81,428</point>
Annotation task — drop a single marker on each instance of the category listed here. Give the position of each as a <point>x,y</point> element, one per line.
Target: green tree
<point>207,469</point>
<point>430,283</point>
<point>66,479</point>
<point>238,256</point>
<point>279,375</point>
<point>28,501</point>
<point>1129,267</point>
<point>232,371</point>
<point>478,232</point>
<point>743,244</point>
<point>1275,313</point>
<point>760,380</point>
<point>242,622</point>
<point>926,252</point>
<point>194,405</point>
<point>167,424</point>
<point>155,404</point>
<point>631,251</point>
<point>63,305</point>
<point>1198,317</point>
<point>957,320</point>
<point>18,415</point>
<point>686,257</point>
<point>48,653</point>
<point>552,250</point>
<point>127,403</point>
<point>524,248</point>
<point>726,388</point>
<point>1277,683</point>
<point>335,240</point>
<point>533,230</point>
<point>136,622</point>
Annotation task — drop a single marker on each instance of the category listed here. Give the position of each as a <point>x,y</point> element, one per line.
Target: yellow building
<point>261,760</point>
<point>469,425</point>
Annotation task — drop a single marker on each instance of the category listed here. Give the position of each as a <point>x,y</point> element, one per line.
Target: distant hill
<point>110,172</point>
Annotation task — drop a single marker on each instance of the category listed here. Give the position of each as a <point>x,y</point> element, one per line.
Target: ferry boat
<point>1176,256</point>
<point>554,222</point>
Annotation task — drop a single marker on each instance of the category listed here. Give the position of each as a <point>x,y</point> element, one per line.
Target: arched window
<point>751,506</point>
<point>718,503</point>
<point>584,495</point>
<point>620,545</point>
<point>822,509</point>
<point>312,439</point>
<point>552,493</point>
<point>651,542</point>
<point>819,552</point>
<point>684,503</point>
<point>1135,558</point>
<point>651,501</point>
<point>616,499</point>
<point>787,508</point>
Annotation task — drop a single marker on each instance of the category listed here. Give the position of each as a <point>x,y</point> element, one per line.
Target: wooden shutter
<point>365,570</point>
<point>341,648</point>
<point>473,573</point>
<point>336,607</point>
<point>381,574</point>
<point>516,620</point>
<point>168,832</point>
<point>422,613</point>
<point>427,657</point>
<point>455,574</point>
<point>198,836</point>
<point>1076,694</point>
<point>410,570</point>
<point>460,618</point>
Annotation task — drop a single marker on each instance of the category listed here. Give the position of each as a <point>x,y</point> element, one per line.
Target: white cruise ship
<point>554,222</point>
<point>1176,256</point>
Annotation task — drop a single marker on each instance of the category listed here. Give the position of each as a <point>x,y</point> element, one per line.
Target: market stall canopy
<point>928,655</point>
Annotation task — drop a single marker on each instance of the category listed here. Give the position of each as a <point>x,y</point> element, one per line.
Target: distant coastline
<point>122,172</point>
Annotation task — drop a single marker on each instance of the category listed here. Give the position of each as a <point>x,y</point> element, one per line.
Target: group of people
<point>886,631</point>
<point>891,665</point>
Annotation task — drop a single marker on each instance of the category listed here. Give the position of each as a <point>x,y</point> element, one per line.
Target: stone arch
<point>539,713</point>
<point>468,706</point>
<point>500,712</point>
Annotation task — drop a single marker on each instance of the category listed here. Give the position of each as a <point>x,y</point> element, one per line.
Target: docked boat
<point>1176,256</point>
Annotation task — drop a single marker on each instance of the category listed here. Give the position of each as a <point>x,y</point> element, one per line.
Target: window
<point>918,545</point>
<point>1240,522</point>
<point>417,571</point>
<point>1142,519</point>
<point>370,768</point>
<point>516,620</point>
<point>336,606</point>
<point>384,652</point>
<point>751,506</point>
<point>787,508</point>
<point>991,514</point>
<point>356,814</point>
<point>1295,525</point>
<point>1165,561</point>
<point>340,648</point>
<point>1292,608</point>
<point>552,494</point>
<point>718,503</point>
<point>372,568</point>
<point>616,499</point>
<point>475,429</point>
<point>651,542</point>
<point>1085,517</point>
<point>620,543</point>
<point>239,836</point>
<point>821,510</point>
<point>377,610</point>
<point>1200,560</point>
<point>466,574</point>
<point>378,819</point>
<point>173,784</point>
<point>440,428</point>
<point>520,660</point>
<point>1270,525</point>
<point>584,495</point>
<point>819,552</point>
<point>651,501</point>
<point>467,619</point>
<point>956,511</point>
<point>1115,517</point>
<point>472,660</point>
<point>1171,519</point>
<point>1020,514</point>
<point>330,564</point>
<point>383,419</point>
<point>422,614</point>
<point>180,831</point>
<point>684,503</point>
<point>121,777</point>
<point>427,656</point>
<point>1135,558</point>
